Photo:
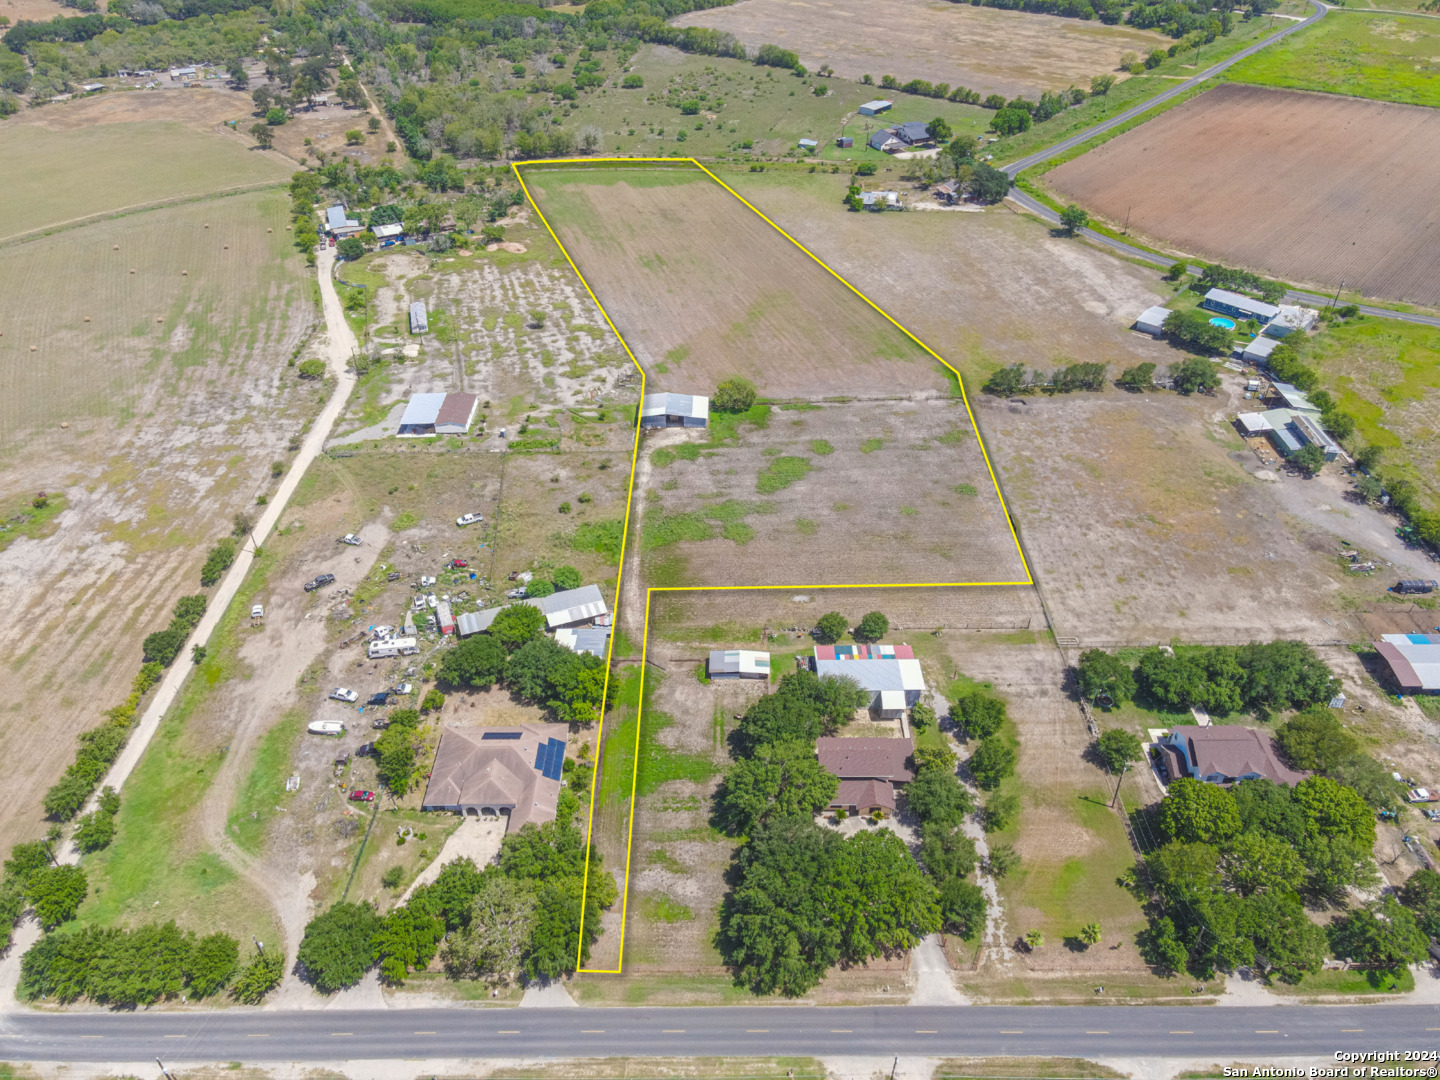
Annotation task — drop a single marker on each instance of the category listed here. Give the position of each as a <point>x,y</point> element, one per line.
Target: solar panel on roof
<point>556,763</point>
<point>500,735</point>
<point>542,756</point>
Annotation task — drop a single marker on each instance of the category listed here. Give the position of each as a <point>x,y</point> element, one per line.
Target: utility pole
<point>259,945</point>
<point>168,1074</point>
<point>1336,301</point>
<point>894,1067</point>
<point>1118,781</point>
<point>1127,218</point>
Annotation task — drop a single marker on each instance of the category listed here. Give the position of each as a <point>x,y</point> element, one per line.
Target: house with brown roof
<point>513,773</point>
<point>1223,754</point>
<point>868,770</point>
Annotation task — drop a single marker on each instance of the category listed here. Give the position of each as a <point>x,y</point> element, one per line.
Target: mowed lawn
<point>1380,56</point>
<point>702,288</point>
<point>51,177</point>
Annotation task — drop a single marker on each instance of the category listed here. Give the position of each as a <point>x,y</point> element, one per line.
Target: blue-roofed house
<point>1238,306</point>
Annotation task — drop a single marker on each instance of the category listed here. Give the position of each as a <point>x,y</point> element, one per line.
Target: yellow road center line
<point>1182,1033</point>
<point>1276,1032</point>
<point>336,1034</point>
<point>1097,1033</point>
<point>841,1031</point>
<point>92,1036</point>
<point>257,1036</point>
<point>174,1036</point>
<point>424,1033</point>
<point>672,1031</point>
<point>592,1031</point>
<point>1351,1031</point>
<point>757,1031</point>
<point>507,1033</point>
<point>1012,1033</point>
<point>920,1032</point>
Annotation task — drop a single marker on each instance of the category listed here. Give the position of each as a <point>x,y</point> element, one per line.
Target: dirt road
<point>341,347</point>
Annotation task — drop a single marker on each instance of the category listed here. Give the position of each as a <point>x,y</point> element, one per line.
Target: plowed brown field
<point>1312,188</point>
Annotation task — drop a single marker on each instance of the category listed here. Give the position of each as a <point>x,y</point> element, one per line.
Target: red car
<point>362,796</point>
<point>458,564</point>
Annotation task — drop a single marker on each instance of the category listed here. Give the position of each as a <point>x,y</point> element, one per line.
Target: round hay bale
<point>132,269</point>
<point>64,423</point>
<point>227,247</point>
<point>87,318</point>
<point>270,230</point>
<point>207,224</point>
<point>34,348</point>
<point>114,247</point>
<point>184,273</point>
<point>159,318</point>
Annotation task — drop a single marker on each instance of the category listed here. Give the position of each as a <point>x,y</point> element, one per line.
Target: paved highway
<point>1256,1034</point>
<point>1119,246</point>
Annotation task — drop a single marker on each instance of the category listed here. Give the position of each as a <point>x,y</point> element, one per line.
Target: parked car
<point>403,689</point>
<point>326,727</point>
<point>257,611</point>
<point>351,539</point>
<point>468,519</point>
<point>366,749</point>
<point>384,631</point>
<point>342,694</point>
<point>382,698</point>
<point>379,723</point>
<point>515,594</point>
<point>320,582</point>
<point>458,564</point>
<point>362,796</point>
<point>426,582</point>
<point>432,600</point>
<point>393,575</point>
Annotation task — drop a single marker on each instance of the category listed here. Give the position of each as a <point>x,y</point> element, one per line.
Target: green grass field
<point>1386,374</point>
<point>1378,56</point>
<point>52,177</point>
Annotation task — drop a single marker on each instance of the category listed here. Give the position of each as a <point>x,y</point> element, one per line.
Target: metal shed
<point>419,321</point>
<point>674,410</point>
<point>1152,320</point>
<point>875,108</point>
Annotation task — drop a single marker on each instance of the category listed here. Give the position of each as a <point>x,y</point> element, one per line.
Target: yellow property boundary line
<point>630,498</point>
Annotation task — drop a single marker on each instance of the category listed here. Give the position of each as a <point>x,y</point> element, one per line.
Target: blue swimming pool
<point>1228,324</point>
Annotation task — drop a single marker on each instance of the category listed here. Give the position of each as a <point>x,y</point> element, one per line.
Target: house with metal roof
<point>868,770</point>
<point>674,410</point>
<point>885,141</point>
<point>875,108</point>
<point>568,608</point>
<point>1414,660</point>
<point>889,673</point>
<point>437,414</point>
<point>1288,430</point>
<point>419,320</point>
<point>1259,350</point>
<point>808,144</point>
<point>337,223</point>
<point>1152,320</point>
<point>388,232</point>
<point>880,200</point>
<point>1290,318</point>
<point>594,640</point>
<point>738,664</point>
<point>1224,754</point>
<point>1294,398</point>
<point>1238,306</point>
<point>913,132</point>
<point>512,773</point>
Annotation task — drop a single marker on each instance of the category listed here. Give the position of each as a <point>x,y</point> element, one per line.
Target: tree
<point>1073,219</point>
<point>1090,934</point>
<point>989,184</point>
<point>260,976</point>
<point>1194,330</point>
<point>1315,740</point>
<point>1310,459</point>
<point>1160,945</point>
<point>1006,382</point>
<point>275,116</point>
<point>263,135</point>
<point>1034,939</point>
<point>1100,85</point>
<point>1368,488</point>
<point>239,77</point>
<point>831,627</point>
<point>405,940</point>
<point>1100,672</point>
<point>1002,859</point>
<point>311,369</point>
<point>1000,809</point>
<point>1421,894</point>
<point>978,714</point>
<point>395,753</point>
<point>1335,810</point>
<point>1382,934</point>
<point>946,852</point>
<point>94,832</point>
<point>540,588</point>
<point>937,797</point>
<point>992,762</point>
<point>1335,863</point>
<point>1195,376</point>
<point>478,661</point>
<point>1368,457</point>
<point>1286,941</point>
<point>784,781</point>
<point>492,945</point>
<point>734,395</point>
<point>962,908</point>
<point>350,248</point>
<point>934,757</point>
<point>921,716</point>
<point>1118,748</point>
<point>55,893</point>
<point>1137,379</point>
<point>567,577</point>
<point>335,951</point>
<point>163,645</point>
<point>939,130</point>
<point>212,964</point>
<point>1254,862</point>
<point>568,684</point>
<point>872,627</point>
<point>1196,812</point>
<point>517,624</point>
<point>1010,122</point>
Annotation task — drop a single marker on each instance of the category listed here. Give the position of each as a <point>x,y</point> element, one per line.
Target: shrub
<point>734,395</point>
<point>992,762</point>
<point>872,627</point>
<point>831,627</point>
<point>311,369</point>
<point>632,82</point>
<point>55,893</point>
<point>217,561</point>
<point>567,577</point>
<point>260,976</point>
<point>978,714</point>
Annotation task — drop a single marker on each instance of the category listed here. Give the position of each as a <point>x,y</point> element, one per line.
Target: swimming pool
<point>1228,324</point>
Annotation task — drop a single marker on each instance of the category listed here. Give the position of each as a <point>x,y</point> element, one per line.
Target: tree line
<point>518,918</point>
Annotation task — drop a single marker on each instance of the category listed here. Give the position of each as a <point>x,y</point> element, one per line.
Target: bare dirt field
<point>1287,183</point>
<point>881,492</point>
<point>985,49</point>
<point>171,427</point>
<point>702,288</point>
